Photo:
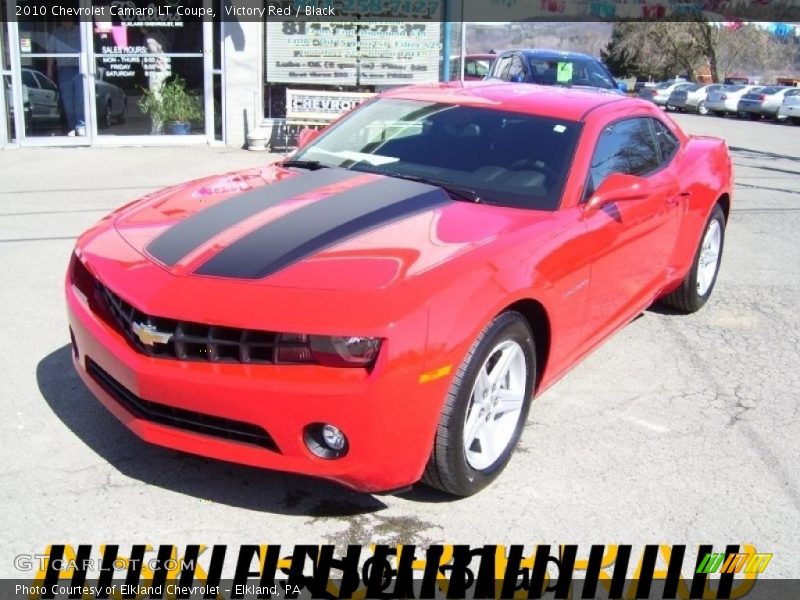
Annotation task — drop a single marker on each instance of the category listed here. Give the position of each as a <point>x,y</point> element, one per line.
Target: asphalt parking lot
<point>680,429</point>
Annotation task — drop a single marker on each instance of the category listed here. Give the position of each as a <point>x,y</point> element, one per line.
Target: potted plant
<point>172,105</point>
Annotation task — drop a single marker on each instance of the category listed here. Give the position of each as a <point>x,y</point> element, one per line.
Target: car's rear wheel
<point>485,409</point>
<point>696,288</point>
<point>701,109</point>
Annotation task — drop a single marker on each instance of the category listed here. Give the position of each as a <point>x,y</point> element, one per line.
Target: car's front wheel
<point>485,409</point>
<point>696,288</point>
<point>701,109</point>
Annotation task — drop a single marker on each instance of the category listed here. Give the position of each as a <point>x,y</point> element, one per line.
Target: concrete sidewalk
<point>37,179</point>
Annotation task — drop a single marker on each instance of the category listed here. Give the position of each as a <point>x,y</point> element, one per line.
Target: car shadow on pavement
<point>211,480</point>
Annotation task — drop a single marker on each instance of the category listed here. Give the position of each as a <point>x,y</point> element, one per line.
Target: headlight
<point>330,351</point>
<point>345,351</point>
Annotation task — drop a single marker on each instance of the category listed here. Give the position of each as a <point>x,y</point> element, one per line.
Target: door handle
<point>675,200</point>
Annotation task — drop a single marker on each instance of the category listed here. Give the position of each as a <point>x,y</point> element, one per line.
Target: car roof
<point>545,53</point>
<point>545,100</point>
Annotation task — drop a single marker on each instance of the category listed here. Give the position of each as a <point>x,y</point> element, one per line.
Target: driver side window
<point>627,147</point>
<point>502,67</point>
<point>516,72</point>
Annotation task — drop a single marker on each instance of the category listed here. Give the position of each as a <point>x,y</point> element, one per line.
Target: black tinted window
<point>29,80</point>
<point>510,159</point>
<point>568,72</point>
<point>666,141</point>
<point>624,147</point>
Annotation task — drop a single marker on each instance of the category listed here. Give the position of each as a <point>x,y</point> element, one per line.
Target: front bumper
<point>387,415</point>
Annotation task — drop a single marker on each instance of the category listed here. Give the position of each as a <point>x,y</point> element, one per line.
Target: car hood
<point>329,229</point>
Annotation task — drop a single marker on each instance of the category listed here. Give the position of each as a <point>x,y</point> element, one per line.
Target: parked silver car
<point>726,100</point>
<point>790,108</point>
<point>764,102</point>
<point>660,93</point>
<point>692,98</point>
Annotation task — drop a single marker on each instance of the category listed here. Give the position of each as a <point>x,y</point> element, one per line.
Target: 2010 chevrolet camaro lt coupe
<point>382,306</point>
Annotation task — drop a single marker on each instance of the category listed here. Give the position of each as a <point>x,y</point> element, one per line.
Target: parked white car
<point>42,95</point>
<point>726,100</point>
<point>692,98</point>
<point>790,109</point>
<point>44,102</point>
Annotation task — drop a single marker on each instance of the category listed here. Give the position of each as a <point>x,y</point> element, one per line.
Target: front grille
<point>178,417</point>
<point>190,341</point>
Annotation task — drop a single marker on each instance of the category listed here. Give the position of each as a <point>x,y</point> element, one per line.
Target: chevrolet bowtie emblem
<point>149,335</point>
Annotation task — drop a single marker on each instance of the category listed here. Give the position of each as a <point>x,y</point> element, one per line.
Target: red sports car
<point>382,306</point>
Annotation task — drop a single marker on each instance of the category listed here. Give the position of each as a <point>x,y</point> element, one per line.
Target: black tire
<point>686,298</point>
<point>448,468</point>
<point>701,109</point>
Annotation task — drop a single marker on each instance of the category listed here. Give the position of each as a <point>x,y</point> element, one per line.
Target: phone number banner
<point>353,53</point>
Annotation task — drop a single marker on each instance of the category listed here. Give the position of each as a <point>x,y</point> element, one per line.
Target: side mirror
<point>306,136</point>
<point>622,87</point>
<point>619,187</point>
<point>518,78</point>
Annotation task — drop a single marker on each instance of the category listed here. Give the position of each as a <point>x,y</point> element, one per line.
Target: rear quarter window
<point>627,146</point>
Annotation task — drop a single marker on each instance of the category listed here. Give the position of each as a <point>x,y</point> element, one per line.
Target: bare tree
<point>664,49</point>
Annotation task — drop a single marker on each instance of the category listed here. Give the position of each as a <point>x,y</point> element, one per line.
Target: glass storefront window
<point>149,74</point>
<point>53,85</point>
<point>9,103</point>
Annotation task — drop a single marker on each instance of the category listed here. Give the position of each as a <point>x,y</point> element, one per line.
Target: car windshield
<point>733,88</point>
<point>771,90</point>
<point>476,154</point>
<point>569,72</point>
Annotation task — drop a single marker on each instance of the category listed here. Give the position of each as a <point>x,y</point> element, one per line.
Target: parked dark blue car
<point>553,67</point>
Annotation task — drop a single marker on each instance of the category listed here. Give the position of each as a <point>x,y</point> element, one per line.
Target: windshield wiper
<point>456,191</point>
<point>311,165</point>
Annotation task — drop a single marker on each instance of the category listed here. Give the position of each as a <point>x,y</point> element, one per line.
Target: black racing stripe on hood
<point>313,228</point>
<point>181,239</point>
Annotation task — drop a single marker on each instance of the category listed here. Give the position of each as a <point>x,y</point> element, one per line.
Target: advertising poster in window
<point>355,53</point>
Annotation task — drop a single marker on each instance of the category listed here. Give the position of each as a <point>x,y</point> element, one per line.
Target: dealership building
<point>139,72</point>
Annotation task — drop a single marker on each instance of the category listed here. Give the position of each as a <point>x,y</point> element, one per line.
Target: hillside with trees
<point>664,50</point>
<point>656,50</point>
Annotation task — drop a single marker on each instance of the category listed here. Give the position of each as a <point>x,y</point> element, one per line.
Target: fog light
<point>333,437</point>
<point>326,440</point>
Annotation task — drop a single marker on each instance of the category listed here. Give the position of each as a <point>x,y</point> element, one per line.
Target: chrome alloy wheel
<point>709,257</point>
<point>495,404</point>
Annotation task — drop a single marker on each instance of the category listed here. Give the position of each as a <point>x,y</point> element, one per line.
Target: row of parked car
<point>780,103</point>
